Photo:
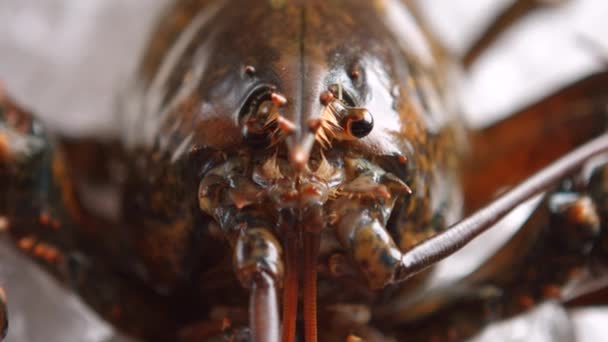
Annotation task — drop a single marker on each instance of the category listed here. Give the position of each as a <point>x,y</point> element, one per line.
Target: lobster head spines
<point>216,82</point>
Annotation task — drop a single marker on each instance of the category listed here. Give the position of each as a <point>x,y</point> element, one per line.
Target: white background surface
<point>68,59</point>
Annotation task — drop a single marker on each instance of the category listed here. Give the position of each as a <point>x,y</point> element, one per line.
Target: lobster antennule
<point>290,288</point>
<point>310,243</point>
<point>311,251</point>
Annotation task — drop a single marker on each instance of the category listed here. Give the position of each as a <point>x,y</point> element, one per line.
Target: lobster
<point>290,170</point>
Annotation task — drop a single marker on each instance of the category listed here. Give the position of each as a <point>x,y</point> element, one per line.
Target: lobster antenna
<point>444,244</point>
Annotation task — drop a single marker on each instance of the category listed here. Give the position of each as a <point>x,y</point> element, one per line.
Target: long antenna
<point>442,245</point>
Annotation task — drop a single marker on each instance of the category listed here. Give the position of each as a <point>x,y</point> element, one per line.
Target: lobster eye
<point>254,116</point>
<point>359,122</point>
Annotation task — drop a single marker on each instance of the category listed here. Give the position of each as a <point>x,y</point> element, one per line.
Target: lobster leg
<point>39,213</point>
<point>505,153</point>
<point>22,148</point>
<point>506,19</point>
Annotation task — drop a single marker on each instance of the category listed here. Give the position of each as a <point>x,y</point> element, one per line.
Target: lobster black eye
<point>359,122</point>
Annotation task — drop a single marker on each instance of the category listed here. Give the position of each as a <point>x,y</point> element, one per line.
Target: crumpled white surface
<point>68,59</point>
